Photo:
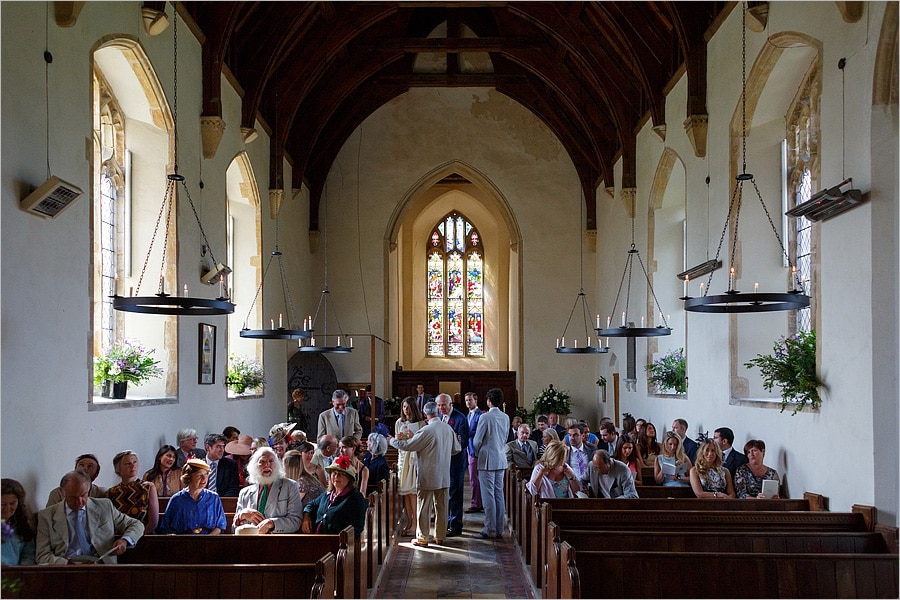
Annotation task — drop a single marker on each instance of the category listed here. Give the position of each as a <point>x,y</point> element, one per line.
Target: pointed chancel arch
<point>455,188</point>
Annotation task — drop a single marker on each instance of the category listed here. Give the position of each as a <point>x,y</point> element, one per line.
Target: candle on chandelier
<point>272,323</point>
<point>623,318</point>
<point>221,286</point>
<point>351,342</point>
<point>305,325</point>
<point>312,341</point>
<point>131,291</point>
<point>701,289</point>
<point>339,341</point>
<point>185,293</point>
<point>557,342</point>
<point>162,286</point>
<point>564,341</point>
<point>608,320</point>
<point>598,321</point>
<point>280,324</point>
<point>756,287</point>
<point>642,321</point>
<point>607,342</point>
<point>687,279</point>
<point>731,279</point>
<point>589,342</point>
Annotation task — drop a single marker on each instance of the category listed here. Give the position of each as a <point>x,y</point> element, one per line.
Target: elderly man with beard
<point>271,502</point>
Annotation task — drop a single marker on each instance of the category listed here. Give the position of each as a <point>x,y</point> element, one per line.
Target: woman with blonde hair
<point>672,466</point>
<point>709,478</point>
<point>548,435</point>
<point>552,476</point>
<point>295,468</point>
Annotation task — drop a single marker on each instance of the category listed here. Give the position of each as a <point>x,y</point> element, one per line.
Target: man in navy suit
<point>680,426</point>
<point>473,415</point>
<point>460,425</point>
<point>732,459</point>
<point>609,438</point>
<point>227,481</point>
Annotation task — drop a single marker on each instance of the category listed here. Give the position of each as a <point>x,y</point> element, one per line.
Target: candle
<point>280,324</point>
<point>351,342</point>
<point>312,341</point>
<point>576,343</point>
<point>623,318</point>
<point>607,342</point>
<point>564,341</point>
<point>701,289</point>
<point>731,279</point>
<point>642,321</point>
<point>162,287</point>
<point>131,291</point>
<point>221,286</point>
<point>687,278</point>
<point>272,323</point>
<point>305,325</point>
<point>589,342</point>
<point>598,321</point>
<point>608,319</point>
<point>557,342</point>
<point>185,294</point>
<point>756,287</point>
<point>668,317</point>
<point>339,341</point>
<point>310,322</point>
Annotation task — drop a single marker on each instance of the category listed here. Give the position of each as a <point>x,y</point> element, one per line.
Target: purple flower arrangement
<point>126,361</point>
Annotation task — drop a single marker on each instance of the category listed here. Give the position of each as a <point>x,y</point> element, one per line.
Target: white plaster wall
<point>46,284</point>
<point>46,340</point>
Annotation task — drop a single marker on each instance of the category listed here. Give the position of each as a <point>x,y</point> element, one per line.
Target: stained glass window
<point>455,289</point>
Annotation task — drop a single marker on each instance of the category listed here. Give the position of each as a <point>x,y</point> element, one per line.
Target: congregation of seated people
<point>276,480</point>
<point>612,464</point>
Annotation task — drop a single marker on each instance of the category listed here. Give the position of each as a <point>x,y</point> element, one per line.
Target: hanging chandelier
<point>163,303</point>
<point>339,343</point>
<point>293,332</point>
<point>732,300</point>
<point>629,328</point>
<point>588,347</point>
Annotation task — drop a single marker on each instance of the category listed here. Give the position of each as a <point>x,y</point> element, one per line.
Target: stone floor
<point>463,567</point>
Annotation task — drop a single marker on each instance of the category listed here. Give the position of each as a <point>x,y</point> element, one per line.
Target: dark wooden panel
<point>403,383</point>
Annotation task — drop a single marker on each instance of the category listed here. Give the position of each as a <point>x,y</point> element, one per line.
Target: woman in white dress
<point>407,466</point>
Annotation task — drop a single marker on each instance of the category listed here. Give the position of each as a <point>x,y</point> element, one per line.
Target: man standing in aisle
<point>490,442</point>
<point>421,397</point>
<point>340,420</point>
<point>473,415</point>
<point>433,444</point>
<point>460,425</point>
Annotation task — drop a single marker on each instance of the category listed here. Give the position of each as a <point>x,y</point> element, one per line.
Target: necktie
<point>444,418</point>
<point>341,418</point>
<point>471,414</point>
<point>580,456</point>
<point>264,495</point>
<point>211,483</point>
<point>80,538</point>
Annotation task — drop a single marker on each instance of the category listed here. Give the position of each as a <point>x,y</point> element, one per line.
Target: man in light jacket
<point>434,444</point>
<point>490,446</point>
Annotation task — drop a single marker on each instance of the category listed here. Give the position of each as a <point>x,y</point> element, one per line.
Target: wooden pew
<point>229,503</point>
<point>695,512</point>
<point>252,549</point>
<point>707,541</point>
<point>288,580</point>
<point>727,575</point>
<point>659,491</point>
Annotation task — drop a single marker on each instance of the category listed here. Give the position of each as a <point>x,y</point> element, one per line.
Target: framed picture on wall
<point>206,354</point>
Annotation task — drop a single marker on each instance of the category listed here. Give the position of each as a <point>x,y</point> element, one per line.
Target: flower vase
<point>106,389</point>
<point>119,390</point>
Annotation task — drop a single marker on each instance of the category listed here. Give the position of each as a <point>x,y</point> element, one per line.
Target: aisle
<point>463,567</point>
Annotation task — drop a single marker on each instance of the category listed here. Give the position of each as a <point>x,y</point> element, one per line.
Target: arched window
<point>455,289</point>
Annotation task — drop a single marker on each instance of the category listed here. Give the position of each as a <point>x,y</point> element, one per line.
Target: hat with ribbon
<point>342,464</point>
<point>281,430</point>
<point>197,463</point>
<point>240,446</point>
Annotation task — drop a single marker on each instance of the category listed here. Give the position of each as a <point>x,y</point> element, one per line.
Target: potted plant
<point>552,400</point>
<point>792,368</point>
<point>602,381</point>
<point>669,372</point>
<point>244,374</point>
<point>126,361</point>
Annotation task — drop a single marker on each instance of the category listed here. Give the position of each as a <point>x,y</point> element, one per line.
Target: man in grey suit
<point>490,446</point>
<point>610,478</point>
<point>340,420</point>
<point>433,444</point>
<point>83,526</point>
<point>522,452</point>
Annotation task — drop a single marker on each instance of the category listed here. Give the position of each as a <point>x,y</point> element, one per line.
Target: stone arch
<point>458,185</point>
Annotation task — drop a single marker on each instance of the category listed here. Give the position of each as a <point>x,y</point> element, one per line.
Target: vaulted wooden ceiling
<point>311,72</point>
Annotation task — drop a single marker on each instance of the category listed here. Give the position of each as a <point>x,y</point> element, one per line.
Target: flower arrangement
<point>669,372</point>
<point>792,368</point>
<point>602,381</point>
<point>551,400</point>
<point>392,405</point>
<point>244,374</point>
<point>126,361</point>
